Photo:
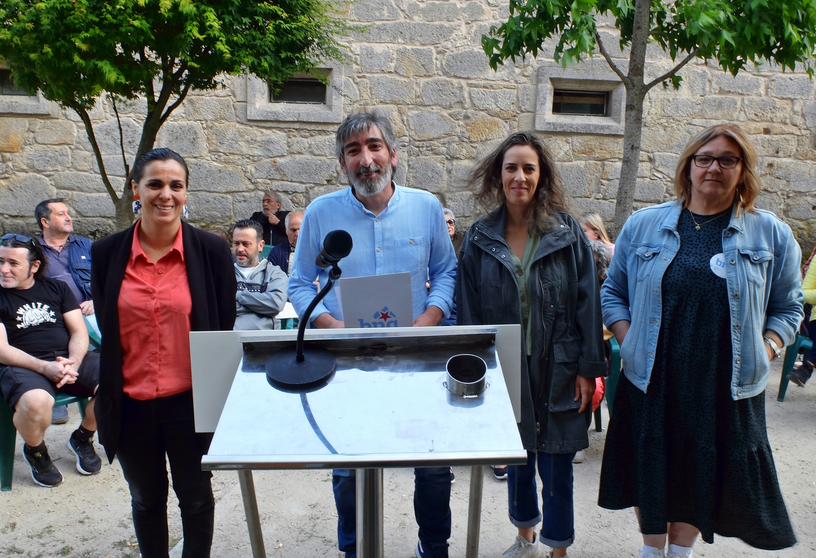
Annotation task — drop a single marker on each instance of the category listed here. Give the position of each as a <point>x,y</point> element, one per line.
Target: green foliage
<point>73,50</point>
<point>732,33</point>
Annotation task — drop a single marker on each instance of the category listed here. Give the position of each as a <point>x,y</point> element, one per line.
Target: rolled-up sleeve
<point>784,311</point>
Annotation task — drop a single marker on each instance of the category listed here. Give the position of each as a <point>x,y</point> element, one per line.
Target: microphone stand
<point>334,275</point>
<point>288,369</point>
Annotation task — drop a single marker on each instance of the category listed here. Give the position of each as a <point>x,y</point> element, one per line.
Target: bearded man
<point>261,291</point>
<point>394,229</point>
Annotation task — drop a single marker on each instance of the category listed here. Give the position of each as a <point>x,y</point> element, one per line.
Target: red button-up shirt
<point>154,323</point>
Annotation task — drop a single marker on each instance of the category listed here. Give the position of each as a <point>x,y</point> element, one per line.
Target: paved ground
<point>90,516</point>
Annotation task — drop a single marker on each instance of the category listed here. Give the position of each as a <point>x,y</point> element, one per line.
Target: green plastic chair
<point>611,383</point>
<point>801,344</point>
<point>265,251</point>
<point>614,374</point>
<point>8,435</point>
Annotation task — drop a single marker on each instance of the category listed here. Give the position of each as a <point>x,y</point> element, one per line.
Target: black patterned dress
<point>685,451</point>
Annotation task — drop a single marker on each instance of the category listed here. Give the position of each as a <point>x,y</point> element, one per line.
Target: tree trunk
<point>124,205</point>
<point>632,132</point>
<point>635,93</point>
<point>124,210</point>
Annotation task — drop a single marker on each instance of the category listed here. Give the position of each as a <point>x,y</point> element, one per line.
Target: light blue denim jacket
<point>764,289</point>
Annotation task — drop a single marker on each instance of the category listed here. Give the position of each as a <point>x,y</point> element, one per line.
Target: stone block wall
<point>421,63</point>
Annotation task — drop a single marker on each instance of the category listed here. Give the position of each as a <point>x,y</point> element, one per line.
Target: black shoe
<point>88,463</point>
<point>59,415</point>
<point>801,374</point>
<point>500,472</point>
<point>43,471</point>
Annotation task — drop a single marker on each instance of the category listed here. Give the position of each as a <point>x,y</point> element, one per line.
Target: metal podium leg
<point>474,511</point>
<point>253,518</point>
<point>369,513</point>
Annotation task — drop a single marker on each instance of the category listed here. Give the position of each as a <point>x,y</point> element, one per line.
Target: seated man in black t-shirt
<point>43,350</point>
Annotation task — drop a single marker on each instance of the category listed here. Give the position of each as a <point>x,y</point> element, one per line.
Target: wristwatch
<point>774,347</point>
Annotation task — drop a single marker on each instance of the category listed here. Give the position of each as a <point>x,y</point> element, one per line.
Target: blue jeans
<point>432,488</point>
<point>558,528</point>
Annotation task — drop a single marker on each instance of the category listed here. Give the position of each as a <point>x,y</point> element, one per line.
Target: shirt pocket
<point>411,254</point>
<point>82,267</point>
<point>755,262</point>
<point>565,371</point>
<point>179,297</point>
<point>645,257</point>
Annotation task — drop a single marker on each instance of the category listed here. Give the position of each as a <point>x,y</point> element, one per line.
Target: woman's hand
<point>584,390</point>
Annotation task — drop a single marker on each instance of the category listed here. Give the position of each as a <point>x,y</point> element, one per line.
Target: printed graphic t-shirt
<point>33,318</point>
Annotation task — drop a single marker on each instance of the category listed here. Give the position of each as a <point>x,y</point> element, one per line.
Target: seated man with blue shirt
<point>68,260</point>
<point>394,229</point>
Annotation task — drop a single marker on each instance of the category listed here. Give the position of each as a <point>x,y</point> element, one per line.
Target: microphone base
<point>287,374</point>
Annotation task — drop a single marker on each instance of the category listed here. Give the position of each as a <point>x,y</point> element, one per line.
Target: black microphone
<point>336,246</point>
<point>286,369</point>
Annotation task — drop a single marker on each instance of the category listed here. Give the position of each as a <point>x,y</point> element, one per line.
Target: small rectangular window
<point>300,90</point>
<point>580,103</point>
<point>7,86</point>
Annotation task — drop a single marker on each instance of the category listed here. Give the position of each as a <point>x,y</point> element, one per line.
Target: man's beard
<point>370,186</point>
<point>249,262</point>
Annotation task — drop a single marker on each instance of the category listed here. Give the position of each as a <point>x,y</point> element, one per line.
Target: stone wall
<point>421,62</point>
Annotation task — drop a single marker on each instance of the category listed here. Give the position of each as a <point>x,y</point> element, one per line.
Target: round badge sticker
<point>717,264</point>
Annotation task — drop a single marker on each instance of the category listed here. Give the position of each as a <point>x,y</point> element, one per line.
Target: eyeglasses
<point>18,237</point>
<point>705,161</point>
<point>451,221</point>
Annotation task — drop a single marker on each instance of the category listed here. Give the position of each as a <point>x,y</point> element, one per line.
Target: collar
<point>45,244</point>
<point>493,225</point>
<point>395,199</point>
<point>737,221</point>
<point>136,247</point>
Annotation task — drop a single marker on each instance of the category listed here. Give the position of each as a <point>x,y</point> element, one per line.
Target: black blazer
<point>212,289</point>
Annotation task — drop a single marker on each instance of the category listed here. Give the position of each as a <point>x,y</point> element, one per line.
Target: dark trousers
<point>811,356</point>
<point>432,488</point>
<point>152,430</point>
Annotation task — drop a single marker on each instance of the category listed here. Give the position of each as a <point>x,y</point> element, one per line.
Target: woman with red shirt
<point>152,284</point>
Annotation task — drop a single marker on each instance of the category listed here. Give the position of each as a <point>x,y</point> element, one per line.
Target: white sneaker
<point>522,548</point>
<point>651,552</point>
<point>580,456</point>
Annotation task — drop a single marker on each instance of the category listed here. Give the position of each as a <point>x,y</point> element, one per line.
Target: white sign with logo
<point>376,300</point>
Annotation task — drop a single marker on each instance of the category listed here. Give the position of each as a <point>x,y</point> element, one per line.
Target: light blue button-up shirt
<point>409,235</point>
<point>761,260</point>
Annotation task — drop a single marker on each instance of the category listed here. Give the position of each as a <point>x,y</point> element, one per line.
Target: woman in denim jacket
<point>702,294</point>
<point>528,262</point>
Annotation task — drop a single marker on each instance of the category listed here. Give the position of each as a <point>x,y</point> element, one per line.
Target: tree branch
<point>674,70</point>
<point>86,120</point>
<point>121,135</point>
<point>175,105</point>
<point>151,93</point>
<point>609,60</point>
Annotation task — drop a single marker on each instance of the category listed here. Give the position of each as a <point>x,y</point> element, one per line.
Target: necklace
<point>698,225</point>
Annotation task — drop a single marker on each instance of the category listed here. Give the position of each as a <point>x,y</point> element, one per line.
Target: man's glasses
<point>18,237</point>
<point>451,221</point>
<point>705,161</point>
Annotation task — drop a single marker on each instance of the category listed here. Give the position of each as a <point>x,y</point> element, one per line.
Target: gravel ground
<point>90,516</point>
